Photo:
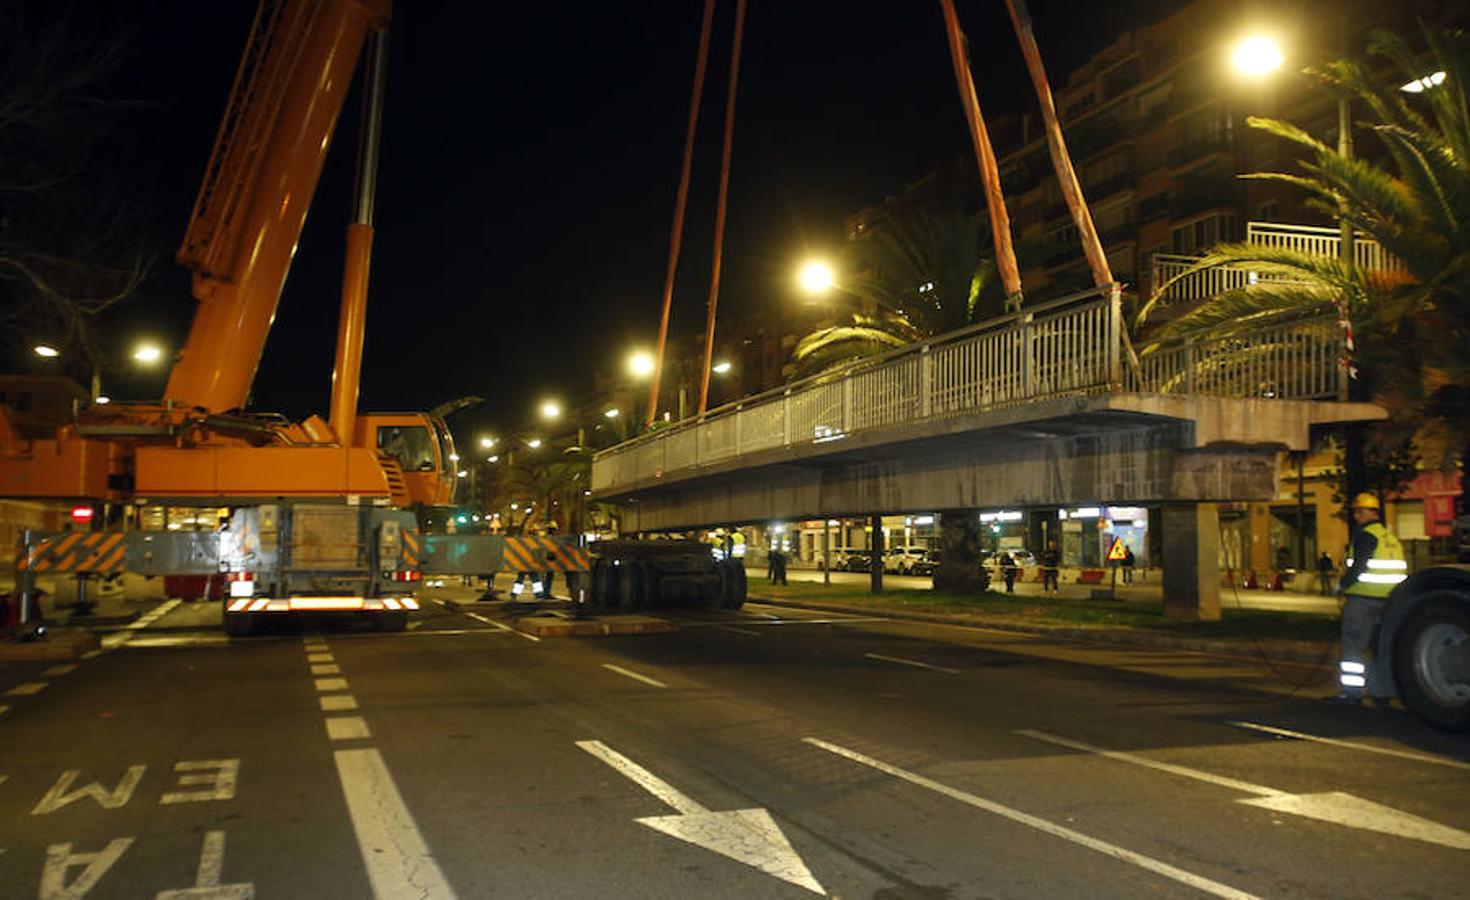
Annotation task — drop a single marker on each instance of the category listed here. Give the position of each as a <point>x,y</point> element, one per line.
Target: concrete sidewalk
<point>1147,587</point>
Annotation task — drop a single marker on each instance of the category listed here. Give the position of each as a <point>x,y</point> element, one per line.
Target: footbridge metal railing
<point>1073,346</point>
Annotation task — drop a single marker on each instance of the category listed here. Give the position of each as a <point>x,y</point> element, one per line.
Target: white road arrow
<point>1332,806</point>
<point>748,836</point>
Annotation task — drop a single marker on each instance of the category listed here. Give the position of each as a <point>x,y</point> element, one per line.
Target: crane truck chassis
<point>1422,651</point>
<point>278,560</point>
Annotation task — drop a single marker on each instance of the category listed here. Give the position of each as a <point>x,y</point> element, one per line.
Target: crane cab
<point>417,452</point>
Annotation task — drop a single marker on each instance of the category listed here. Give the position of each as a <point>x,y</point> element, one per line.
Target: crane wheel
<point>391,621</point>
<point>239,624</point>
<point>733,595</point>
<point>633,585</point>
<point>1431,660</point>
<point>604,585</point>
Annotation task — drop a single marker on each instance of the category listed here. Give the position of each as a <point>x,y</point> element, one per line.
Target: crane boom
<point>258,186</point>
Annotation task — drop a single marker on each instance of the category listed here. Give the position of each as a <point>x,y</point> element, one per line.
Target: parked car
<point>858,561</point>
<point>927,564</point>
<point>839,558</point>
<point>901,560</point>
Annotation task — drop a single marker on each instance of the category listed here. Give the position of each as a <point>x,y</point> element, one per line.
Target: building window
<point>1269,211</point>
<point>1079,106</point>
<point>1154,99</point>
<point>1198,236</point>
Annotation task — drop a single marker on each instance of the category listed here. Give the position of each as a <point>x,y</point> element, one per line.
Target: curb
<point>1308,652</point>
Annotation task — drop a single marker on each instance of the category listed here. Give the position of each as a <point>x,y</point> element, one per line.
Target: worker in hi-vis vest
<point>1375,565</point>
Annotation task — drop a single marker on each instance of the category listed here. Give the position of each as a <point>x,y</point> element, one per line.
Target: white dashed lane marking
<point>398,860</point>
<point>29,689</point>
<point>395,854</point>
<point>629,673</point>
<point>326,669</point>
<point>1354,745</point>
<point>60,670</point>
<point>347,728</point>
<point>911,662</point>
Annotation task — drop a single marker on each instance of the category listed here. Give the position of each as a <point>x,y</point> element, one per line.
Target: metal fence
<point>1318,241</point>
<point>1311,239</point>
<point>1073,346</point>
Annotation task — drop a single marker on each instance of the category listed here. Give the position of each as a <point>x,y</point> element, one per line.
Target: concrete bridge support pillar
<point>875,575</point>
<point>961,541</point>
<point>1191,561</point>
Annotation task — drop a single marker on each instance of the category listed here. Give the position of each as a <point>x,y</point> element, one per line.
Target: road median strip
<point>1274,649</point>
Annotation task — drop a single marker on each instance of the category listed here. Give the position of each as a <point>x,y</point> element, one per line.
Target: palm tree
<point>917,274</point>
<point>1410,325</point>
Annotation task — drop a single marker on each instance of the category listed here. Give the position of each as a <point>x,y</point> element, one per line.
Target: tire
<point>1429,679</point>
<point>391,621</point>
<point>633,585</point>
<point>604,585</point>
<point>717,594</point>
<point>736,597</point>
<point>239,624</point>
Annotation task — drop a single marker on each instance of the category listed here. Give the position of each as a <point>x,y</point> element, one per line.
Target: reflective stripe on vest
<point>1385,569</point>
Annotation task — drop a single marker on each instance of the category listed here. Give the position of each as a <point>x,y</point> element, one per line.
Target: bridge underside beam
<point>1127,466</point>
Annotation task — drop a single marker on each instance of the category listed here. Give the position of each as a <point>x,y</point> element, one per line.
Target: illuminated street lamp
<point>147,353</point>
<point>815,277</point>
<point>1257,56</point>
<point>550,410</point>
<point>46,351</point>
<point>641,364</point>
<point>721,368</point>
<point>612,413</point>
<point>534,443</point>
<point>487,442</point>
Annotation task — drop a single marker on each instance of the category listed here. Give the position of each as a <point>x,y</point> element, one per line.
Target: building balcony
<point>1190,151</point>
<point>1190,199</point>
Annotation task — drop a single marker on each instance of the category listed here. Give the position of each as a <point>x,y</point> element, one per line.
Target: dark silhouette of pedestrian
<point>1007,565</point>
<point>1051,566</point>
<point>1325,569</point>
<point>1128,561</point>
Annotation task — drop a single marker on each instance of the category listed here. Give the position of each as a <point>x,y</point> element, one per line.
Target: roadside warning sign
<point>1117,553</point>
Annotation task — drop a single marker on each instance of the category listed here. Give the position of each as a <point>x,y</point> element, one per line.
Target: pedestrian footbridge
<point>1044,408</point>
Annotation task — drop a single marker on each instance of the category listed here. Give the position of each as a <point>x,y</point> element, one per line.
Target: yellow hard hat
<point>1366,501</point>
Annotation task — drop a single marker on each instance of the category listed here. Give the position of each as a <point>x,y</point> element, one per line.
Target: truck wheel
<point>722,588</point>
<point>1431,663</point>
<point>734,596</point>
<point>239,624</point>
<point>604,585</point>
<point>633,585</point>
<point>391,621</point>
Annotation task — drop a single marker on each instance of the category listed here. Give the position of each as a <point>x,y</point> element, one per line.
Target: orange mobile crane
<point>321,512</point>
<point>326,503</point>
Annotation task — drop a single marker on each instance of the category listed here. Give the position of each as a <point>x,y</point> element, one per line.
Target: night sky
<point>530,160</point>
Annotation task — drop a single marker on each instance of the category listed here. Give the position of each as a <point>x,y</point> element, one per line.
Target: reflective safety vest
<point>1385,569</point>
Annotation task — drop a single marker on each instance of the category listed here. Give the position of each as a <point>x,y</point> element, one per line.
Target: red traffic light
<point>82,513</point>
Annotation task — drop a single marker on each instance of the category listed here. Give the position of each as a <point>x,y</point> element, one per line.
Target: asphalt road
<point>758,754</point>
